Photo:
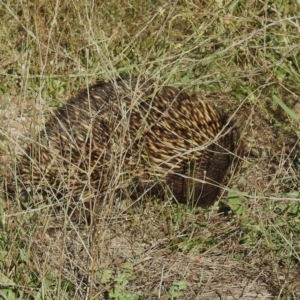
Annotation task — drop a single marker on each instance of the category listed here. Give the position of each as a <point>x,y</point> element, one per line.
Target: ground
<point>242,56</point>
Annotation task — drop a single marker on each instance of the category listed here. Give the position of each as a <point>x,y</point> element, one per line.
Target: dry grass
<point>247,54</point>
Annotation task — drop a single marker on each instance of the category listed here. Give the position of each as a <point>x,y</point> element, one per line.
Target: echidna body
<point>133,136</point>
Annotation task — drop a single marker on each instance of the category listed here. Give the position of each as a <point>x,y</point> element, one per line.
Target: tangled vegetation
<point>244,55</point>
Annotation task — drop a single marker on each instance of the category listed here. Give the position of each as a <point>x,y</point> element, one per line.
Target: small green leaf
<point>288,111</point>
<point>237,203</point>
<point>106,276</point>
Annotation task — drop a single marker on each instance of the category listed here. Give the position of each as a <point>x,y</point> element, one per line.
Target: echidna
<point>130,136</point>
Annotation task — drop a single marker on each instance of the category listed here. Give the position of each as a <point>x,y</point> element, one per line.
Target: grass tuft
<point>243,55</point>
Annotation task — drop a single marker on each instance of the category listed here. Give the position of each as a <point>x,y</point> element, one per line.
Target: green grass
<point>248,51</point>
